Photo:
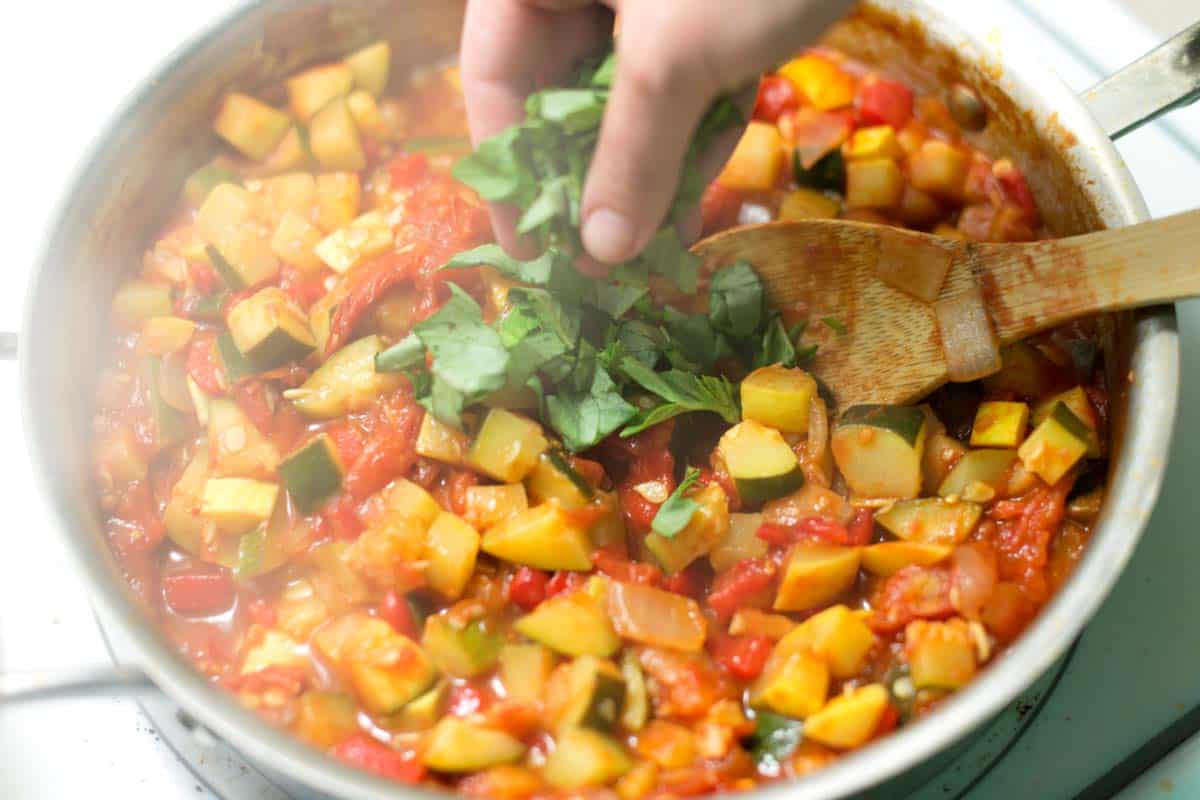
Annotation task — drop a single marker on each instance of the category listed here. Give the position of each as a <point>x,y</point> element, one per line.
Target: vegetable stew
<point>467,521</point>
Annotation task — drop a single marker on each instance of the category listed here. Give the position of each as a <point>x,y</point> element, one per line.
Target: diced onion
<point>968,343</point>
<point>656,617</point>
<point>653,491</point>
<point>172,382</point>
<point>975,576</point>
<point>818,429</point>
<point>912,264</point>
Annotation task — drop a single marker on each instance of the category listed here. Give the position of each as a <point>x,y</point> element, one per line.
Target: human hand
<point>673,59</point>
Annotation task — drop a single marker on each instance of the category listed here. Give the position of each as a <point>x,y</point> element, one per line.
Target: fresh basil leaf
<point>493,170</point>
<point>777,346</point>
<point>774,740</point>
<point>467,354</point>
<point>676,511</point>
<point>616,299</point>
<point>532,354</point>
<point>681,392</point>
<point>444,402</point>
<point>666,255</point>
<point>604,73</point>
<point>551,202</point>
<point>536,271</point>
<point>405,354</point>
<point>836,325</point>
<point>576,110</point>
<point>584,418</point>
<point>696,339</point>
<point>640,340</point>
<point>736,300</point>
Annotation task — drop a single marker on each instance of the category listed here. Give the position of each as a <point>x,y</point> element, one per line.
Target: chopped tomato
<point>390,451</point>
<point>888,721</point>
<point>200,591</point>
<point>407,168</point>
<point>453,491</point>
<point>305,289</point>
<point>619,568</point>
<point>204,365</point>
<point>818,529</point>
<point>776,95</point>
<point>465,700</point>
<point>1024,528</point>
<point>527,587</point>
<point>816,133</point>
<point>363,286</point>
<point>373,756</point>
<point>564,582</point>
<point>912,593</point>
<point>137,528</point>
<point>742,656</point>
<point>251,396</point>
<point>396,611</point>
<point>261,612</point>
<point>861,528</point>
<point>719,207</point>
<point>689,581</point>
<point>202,277</point>
<point>747,584</point>
<point>347,440</point>
<point>1015,187</point>
<point>884,102</point>
<point>341,515</point>
<point>1007,611</point>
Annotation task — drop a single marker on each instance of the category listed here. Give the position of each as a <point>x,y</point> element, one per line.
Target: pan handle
<point>1163,80</point>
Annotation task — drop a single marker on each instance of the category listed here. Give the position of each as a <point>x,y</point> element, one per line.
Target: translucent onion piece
<point>913,265</point>
<point>974,579</point>
<point>172,381</point>
<point>818,435</point>
<point>655,617</point>
<point>968,343</point>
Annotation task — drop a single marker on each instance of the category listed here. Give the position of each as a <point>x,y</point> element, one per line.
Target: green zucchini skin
<point>229,274</point>
<point>597,695</point>
<point>312,473</point>
<point>905,421</point>
<point>237,366</point>
<point>278,349</point>
<point>756,491</point>
<point>761,463</point>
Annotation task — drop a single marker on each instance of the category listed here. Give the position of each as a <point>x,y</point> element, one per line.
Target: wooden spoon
<point>892,348</point>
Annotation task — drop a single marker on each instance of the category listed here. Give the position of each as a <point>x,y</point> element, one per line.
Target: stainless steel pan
<point>129,179</point>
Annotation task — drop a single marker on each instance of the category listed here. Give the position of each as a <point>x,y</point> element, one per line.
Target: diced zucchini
<point>225,210</point>
<point>292,192</point>
<point>931,520</point>
<point>338,584</point>
<point>888,558</point>
<point>836,635</point>
<point>237,448</point>
<point>313,89</point>
<point>239,247</point>
<point>236,365</point>
<point>742,542</point>
<point>325,719</point>
<point>545,536</point>
<point>366,114</point>
<point>252,127</point>
<point>291,152</point>
<point>170,424</point>
<point>801,204</point>
<point>181,517</point>
<point>757,160</point>
<point>873,183</point>
<point>940,655</point>
<point>775,738</point>
<point>752,622</point>
<point>637,696</point>
<point>779,398</point>
<point>238,504</point>
<point>878,450</point>
<point>411,501</point>
<point>312,473</point>
<point>200,401</point>
<point>708,527</point>
<point>795,686</point>
<point>491,505</point>
<point>988,468</point>
<point>385,668</point>
<point>610,528</point>
<point>274,650</point>
<point>334,140</point>
<point>1056,445</point>
<point>1077,401</point>
<point>270,329</point>
<point>850,719</point>
<point>582,758</point>
<point>877,141</point>
<point>822,82</point>
<point>162,335</point>
<point>295,242</point>
<point>371,66</point>
<point>455,745</point>
<point>451,547</point>
<point>439,441</point>
<point>300,611</point>
<point>827,173</point>
<point>999,424</point>
<point>575,624</point>
<point>553,478</point>
<point>760,462</point>
<point>595,695</point>
<point>815,574</point>
<point>524,671</point>
<point>462,652</point>
<point>338,198</point>
<point>137,301</point>
<point>939,168</point>
<point>507,446</point>
<point>208,177</point>
<point>421,714</point>
<point>346,382</point>
<point>365,237</point>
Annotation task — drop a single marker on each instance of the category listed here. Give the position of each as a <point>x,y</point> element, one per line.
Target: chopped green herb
<point>774,740</point>
<point>676,511</point>
<point>737,300</point>
<point>535,271</point>
<point>836,325</point>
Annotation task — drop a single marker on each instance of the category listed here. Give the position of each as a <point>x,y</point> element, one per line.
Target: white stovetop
<point>69,66</point>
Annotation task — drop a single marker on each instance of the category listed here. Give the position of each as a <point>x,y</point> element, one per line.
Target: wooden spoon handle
<point>1032,287</point>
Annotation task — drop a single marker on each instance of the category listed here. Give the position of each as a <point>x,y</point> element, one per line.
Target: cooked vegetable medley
<point>468,521</point>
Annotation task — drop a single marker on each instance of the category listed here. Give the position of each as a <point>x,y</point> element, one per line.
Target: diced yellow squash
<point>939,168</point>
<point>800,204</point>
<point>290,154</point>
<point>752,622</point>
<point>940,655</point>
<point>756,161</point>
<point>313,89</point>
<point>236,447</point>
<point>238,504</point>
<point>637,696</point>
<point>270,329</point>
<point>365,237</point>
<point>325,719</point>
<point>346,382</point>
<point>879,449</point>
<point>224,211</point>
<point>370,66</point>
<point>294,192</point>
<point>836,635</point>
<point>456,745</point>
<point>252,127</point>
<point>450,548</point>
<point>553,478</point>
<point>888,558</point>
<point>507,446</point>
<point>338,198</point>
<point>300,611</point>
<point>240,248</point>
<point>525,670</point>
<point>386,669</point>
<point>439,441</point>
<point>333,577</point>
<point>740,543</point>
<point>999,424</point>
<point>638,782</point>
<point>848,720</point>
<point>275,649</point>
<point>295,242</point>
<point>419,715</point>
<point>366,114</point>
<point>669,744</point>
<point>334,138</point>
<point>592,696</point>
<point>918,209</point>
<point>708,527</point>
<point>873,183</point>
<point>575,624</point>
<point>162,335</point>
<point>411,501</point>
<point>795,686</point>
<point>1056,445</point>
<point>610,528</point>
<point>545,536</point>
<point>138,301</point>
<point>987,468</point>
<point>820,81</point>
<point>878,141</point>
<point>778,397</point>
<point>462,651</point>
<point>931,520</point>
<point>815,574</point>
<point>582,758</point>
<point>760,461</point>
<point>490,505</point>
<point>1077,401</point>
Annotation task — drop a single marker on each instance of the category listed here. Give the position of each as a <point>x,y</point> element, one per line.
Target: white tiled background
<point>68,65</point>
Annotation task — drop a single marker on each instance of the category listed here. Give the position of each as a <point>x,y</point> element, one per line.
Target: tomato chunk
<point>747,583</point>
<point>742,656</point>
<point>776,95</point>
<point>912,593</point>
<point>399,614</point>
<point>884,102</point>
<point>198,592</point>
<point>527,587</point>
<point>373,756</point>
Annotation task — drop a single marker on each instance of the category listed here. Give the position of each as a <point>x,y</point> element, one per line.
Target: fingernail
<point>608,236</point>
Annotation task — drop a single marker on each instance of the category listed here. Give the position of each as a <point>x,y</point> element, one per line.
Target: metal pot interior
<point>128,184</point>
